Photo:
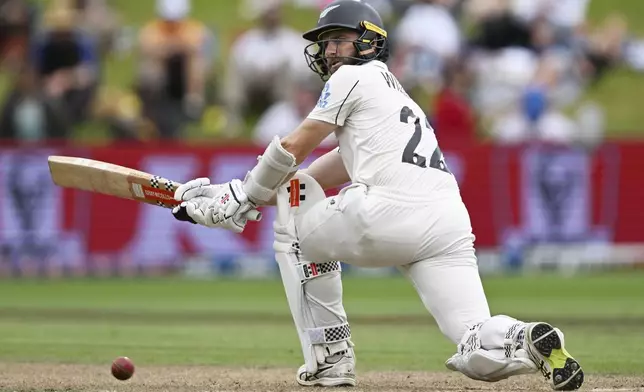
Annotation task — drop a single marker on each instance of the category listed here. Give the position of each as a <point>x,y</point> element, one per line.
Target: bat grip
<point>254,215</point>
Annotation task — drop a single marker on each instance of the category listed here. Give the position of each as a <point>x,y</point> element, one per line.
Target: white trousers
<point>431,242</point>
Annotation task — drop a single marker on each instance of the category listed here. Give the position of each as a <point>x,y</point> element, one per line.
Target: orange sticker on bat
<point>161,195</point>
<point>152,194</point>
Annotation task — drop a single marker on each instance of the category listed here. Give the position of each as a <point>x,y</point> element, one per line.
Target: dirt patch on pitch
<point>58,377</point>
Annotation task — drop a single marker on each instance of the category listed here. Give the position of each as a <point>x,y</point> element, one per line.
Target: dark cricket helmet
<point>353,15</point>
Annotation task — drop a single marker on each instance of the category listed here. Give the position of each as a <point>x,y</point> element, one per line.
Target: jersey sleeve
<point>339,97</point>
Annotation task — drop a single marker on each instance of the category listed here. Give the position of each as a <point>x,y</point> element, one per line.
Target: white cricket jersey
<point>384,137</point>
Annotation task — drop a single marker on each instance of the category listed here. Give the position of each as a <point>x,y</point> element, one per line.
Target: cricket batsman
<point>403,208</point>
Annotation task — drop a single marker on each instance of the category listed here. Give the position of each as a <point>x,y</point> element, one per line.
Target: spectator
<point>475,11</point>
<point>504,23</point>
<point>507,54</point>
<point>453,117</point>
<point>16,25</point>
<point>99,20</point>
<point>535,120</point>
<point>29,115</point>
<point>66,61</point>
<point>499,79</point>
<point>263,61</point>
<point>176,53</point>
<point>604,48</point>
<point>497,28</point>
<point>565,15</point>
<point>426,38</point>
<point>282,117</point>
<point>121,110</point>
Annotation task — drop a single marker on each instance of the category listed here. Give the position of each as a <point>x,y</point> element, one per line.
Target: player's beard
<point>334,64</point>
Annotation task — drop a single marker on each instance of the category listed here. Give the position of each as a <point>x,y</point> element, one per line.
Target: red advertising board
<point>530,193</point>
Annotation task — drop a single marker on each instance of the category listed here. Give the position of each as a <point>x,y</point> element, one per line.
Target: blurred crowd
<point>505,70</point>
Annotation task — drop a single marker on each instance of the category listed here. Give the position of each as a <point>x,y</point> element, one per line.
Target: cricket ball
<point>122,368</point>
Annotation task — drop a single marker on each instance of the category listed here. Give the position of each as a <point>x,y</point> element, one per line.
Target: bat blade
<point>113,180</point>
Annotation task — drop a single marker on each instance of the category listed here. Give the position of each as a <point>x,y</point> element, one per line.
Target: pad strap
<point>310,270</point>
<point>333,334</point>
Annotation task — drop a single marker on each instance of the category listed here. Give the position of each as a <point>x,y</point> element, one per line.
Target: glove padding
<point>198,210</point>
<point>198,187</point>
<point>210,205</point>
<point>233,208</point>
<point>180,213</point>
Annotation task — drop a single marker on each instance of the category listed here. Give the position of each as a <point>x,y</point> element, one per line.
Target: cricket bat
<point>119,181</point>
<point>113,180</point>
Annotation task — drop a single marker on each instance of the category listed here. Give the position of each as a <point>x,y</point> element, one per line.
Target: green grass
<point>228,322</point>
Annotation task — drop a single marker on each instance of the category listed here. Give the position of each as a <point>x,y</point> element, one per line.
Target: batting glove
<point>195,188</point>
<point>234,209</point>
<point>206,204</point>
<point>190,191</point>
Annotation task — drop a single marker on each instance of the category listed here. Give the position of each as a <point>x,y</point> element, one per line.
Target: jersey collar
<point>379,64</point>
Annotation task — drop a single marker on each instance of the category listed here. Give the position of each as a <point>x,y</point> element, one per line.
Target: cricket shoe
<point>545,346</point>
<point>337,370</point>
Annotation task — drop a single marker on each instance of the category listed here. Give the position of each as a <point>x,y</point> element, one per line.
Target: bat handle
<point>254,215</point>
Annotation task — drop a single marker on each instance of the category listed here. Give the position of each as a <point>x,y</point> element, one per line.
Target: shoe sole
<point>328,382</point>
<point>556,364</point>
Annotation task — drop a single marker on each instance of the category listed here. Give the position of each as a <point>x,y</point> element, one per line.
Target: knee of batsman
<point>299,194</point>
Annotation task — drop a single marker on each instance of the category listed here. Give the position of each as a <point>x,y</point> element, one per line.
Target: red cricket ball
<point>122,368</point>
